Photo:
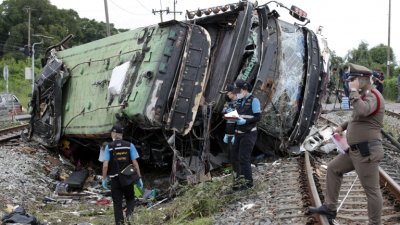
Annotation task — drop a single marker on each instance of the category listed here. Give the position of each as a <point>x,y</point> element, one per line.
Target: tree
<point>336,61</point>
<point>360,55</point>
<point>374,58</point>
<point>46,20</point>
<point>379,58</point>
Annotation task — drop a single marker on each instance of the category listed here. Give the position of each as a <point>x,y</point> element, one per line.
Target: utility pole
<point>388,49</point>
<point>29,26</point>
<point>107,21</point>
<point>161,11</point>
<point>175,12</point>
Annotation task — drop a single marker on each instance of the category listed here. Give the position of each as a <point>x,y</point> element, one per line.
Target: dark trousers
<point>117,194</point>
<point>241,155</point>
<point>346,89</point>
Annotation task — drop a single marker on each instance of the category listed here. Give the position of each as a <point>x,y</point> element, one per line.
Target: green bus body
<point>88,107</point>
<point>164,83</point>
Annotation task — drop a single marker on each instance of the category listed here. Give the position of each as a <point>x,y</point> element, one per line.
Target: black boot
<point>324,210</point>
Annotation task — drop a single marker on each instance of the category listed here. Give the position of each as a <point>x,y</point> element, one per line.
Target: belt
<point>355,147</point>
<point>241,132</point>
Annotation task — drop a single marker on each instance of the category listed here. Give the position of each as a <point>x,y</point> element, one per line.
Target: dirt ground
<point>29,178</point>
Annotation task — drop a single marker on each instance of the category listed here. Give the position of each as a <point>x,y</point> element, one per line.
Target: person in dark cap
<point>379,80</point>
<point>366,150</point>
<point>249,110</point>
<point>344,76</point>
<point>229,137</point>
<point>117,155</point>
<point>230,105</point>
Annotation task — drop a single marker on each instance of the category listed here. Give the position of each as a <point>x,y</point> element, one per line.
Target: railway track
<point>391,113</point>
<point>299,182</point>
<point>289,188</point>
<point>12,132</point>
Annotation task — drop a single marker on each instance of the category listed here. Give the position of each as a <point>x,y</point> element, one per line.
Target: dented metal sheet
<point>46,105</point>
<point>191,81</point>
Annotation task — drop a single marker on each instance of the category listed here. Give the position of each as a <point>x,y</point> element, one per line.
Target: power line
<point>135,14</point>
<point>142,5</point>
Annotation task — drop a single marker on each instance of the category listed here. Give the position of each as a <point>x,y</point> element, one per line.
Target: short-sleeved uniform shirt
<point>132,151</point>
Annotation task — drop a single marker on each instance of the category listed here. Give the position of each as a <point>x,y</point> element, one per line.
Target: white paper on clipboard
<point>234,115</point>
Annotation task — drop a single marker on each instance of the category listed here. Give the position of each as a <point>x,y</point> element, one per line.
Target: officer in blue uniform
<point>249,110</point>
<point>117,155</point>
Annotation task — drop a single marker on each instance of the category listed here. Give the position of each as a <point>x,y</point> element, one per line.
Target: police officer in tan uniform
<point>366,150</point>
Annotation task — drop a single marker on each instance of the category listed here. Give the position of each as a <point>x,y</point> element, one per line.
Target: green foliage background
<point>48,24</point>
<point>16,81</point>
<point>375,59</point>
<point>390,91</point>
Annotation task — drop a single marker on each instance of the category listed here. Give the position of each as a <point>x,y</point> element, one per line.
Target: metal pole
<point>5,74</point>
<point>29,27</point>
<point>107,21</point>
<point>174,10</point>
<point>388,49</point>
<point>161,12</point>
<point>33,64</point>
<point>33,68</point>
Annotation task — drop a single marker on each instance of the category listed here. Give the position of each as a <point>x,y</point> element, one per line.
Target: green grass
<point>73,213</point>
<point>194,205</point>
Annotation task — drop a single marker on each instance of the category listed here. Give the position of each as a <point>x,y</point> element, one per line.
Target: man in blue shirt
<point>249,110</point>
<point>117,155</point>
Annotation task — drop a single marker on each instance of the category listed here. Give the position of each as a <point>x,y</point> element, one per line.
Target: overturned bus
<point>163,83</point>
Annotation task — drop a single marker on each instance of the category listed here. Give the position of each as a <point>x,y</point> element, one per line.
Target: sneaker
<point>242,187</point>
<point>324,210</point>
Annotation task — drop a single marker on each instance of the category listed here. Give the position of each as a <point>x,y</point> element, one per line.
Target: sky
<point>345,22</point>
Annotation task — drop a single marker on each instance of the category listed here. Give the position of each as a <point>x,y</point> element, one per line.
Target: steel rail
<point>314,193</point>
<point>387,182</point>
<point>12,132</point>
<point>391,139</point>
<point>391,113</point>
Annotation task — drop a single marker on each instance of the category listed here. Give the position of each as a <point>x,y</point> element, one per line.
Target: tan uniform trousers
<point>367,169</point>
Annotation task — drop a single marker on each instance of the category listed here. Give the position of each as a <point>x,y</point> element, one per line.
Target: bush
<point>390,89</point>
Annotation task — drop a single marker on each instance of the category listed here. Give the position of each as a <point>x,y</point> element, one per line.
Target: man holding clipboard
<point>249,110</point>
